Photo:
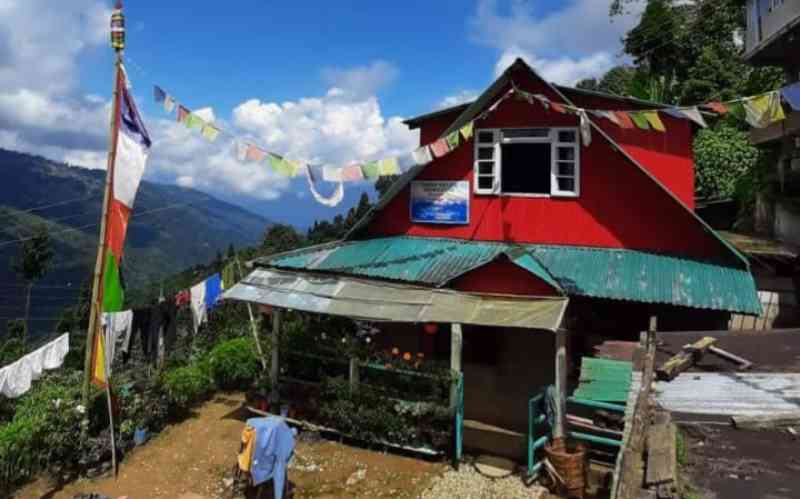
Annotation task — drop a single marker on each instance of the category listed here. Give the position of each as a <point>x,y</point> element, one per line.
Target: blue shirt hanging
<point>213,291</point>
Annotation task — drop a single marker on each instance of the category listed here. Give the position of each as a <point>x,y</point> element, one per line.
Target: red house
<point>523,229</point>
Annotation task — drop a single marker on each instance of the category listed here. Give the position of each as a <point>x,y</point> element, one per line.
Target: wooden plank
<point>766,421</point>
<point>744,364</point>
<point>661,454</point>
<point>685,359</point>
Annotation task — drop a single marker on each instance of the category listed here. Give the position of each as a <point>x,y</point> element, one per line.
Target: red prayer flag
<point>254,153</point>
<point>625,121</point>
<point>183,113</point>
<point>558,107</point>
<point>717,107</point>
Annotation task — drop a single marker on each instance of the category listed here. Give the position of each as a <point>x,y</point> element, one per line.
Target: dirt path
<point>191,460</point>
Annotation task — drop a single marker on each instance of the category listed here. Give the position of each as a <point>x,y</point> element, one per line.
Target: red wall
<point>502,277</point>
<point>619,206</point>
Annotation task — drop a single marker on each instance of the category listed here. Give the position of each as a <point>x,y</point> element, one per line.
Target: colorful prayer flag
<point>467,130</point>
<point>254,153</point>
<point>352,173</point>
<point>183,113</point>
<point>640,120</point>
<point>241,150</point>
<point>717,107</point>
<point>691,113</point>
<point>194,121</point>
<point>159,94</point>
<point>763,110</point>
<point>654,121</point>
<point>543,100</point>
<point>440,148</point>
<point>422,155</point>
<point>331,174</point>
<point>99,362</point>
<point>331,201</point>
<point>559,108</point>
<point>370,169</point>
<point>280,166</point>
<point>169,104</point>
<point>453,139</point>
<point>586,127</point>
<point>210,132</point>
<point>388,166</point>
<point>624,119</point>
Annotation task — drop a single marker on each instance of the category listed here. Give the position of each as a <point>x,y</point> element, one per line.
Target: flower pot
<point>569,460</point>
<point>140,436</point>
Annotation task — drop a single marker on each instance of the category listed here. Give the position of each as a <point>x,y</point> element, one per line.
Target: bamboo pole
<point>253,325</point>
<point>99,267</point>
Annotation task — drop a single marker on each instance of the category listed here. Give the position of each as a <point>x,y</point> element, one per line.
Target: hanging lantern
<point>117,28</point>
<point>431,328</point>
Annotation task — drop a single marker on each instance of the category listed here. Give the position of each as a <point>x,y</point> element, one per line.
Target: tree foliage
<point>35,255</point>
<point>723,157</point>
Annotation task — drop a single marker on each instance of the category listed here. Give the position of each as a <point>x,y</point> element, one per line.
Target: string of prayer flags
<point>159,94</point>
<point>586,127</point>
<point>331,174</point>
<point>690,113</point>
<point>388,166</point>
<point>791,94</point>
<point>639,120</point>
<point>194,121</point>
<point>453,139</point>
<point>624,118</point>
<point>717,107</point>
<point>422,155</point>
<point>281,166</point>
<point>169,104</point>
<point>557,107</point>
<point>183,113</point>
<point>254,153</point>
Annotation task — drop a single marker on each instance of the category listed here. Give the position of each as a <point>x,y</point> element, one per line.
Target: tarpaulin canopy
<point>385,301</point>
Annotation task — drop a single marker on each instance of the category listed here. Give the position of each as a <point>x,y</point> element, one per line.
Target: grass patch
<point>680,449</point>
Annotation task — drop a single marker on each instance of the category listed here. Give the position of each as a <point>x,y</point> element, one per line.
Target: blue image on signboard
<point>440,202</point>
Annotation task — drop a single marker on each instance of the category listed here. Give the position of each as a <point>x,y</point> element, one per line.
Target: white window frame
<point>498,140</point>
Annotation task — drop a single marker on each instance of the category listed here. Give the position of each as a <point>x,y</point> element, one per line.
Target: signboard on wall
<point>440,202</point>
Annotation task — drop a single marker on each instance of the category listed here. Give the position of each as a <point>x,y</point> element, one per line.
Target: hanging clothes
<point>213,291</point>
<point>273,450</point>
<point>170,314</point>
<point>157,322</point>
<point>198,304</point>
<point>16,378</point>
<point>182,298</point>
<point>791,95</point>
<point>118,327</point>
<point>141,325</point>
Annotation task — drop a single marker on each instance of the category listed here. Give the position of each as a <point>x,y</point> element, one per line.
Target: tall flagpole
<point>118,44</point>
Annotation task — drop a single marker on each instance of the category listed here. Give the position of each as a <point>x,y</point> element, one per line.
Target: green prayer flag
<point>281,166</point>
<point>194,121</point>
<point>453,139</point>
<point>113,295</point>
<point>371,169</point>
<point>466,130</point>
<point>640,119</point>
<point>229,276</point>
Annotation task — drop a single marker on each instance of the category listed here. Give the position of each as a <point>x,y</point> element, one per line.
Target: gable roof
<point>486,98</point>
<point>616,274</point>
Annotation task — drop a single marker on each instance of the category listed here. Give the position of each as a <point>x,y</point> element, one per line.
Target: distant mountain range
<point>172,228</point>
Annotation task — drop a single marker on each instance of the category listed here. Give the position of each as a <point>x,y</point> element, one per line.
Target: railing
<point>459,421</point>
<point>536,438</point>
<point>588,437</point>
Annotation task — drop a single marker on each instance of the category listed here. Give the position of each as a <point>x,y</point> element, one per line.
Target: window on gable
<point>527,162</point>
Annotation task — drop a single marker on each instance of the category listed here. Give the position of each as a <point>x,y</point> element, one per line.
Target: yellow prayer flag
<point>388,166</point>
<point>99,374</point>
<point>654,120</point>
<point>763,110</point>
<point>466,130</point>
<point>210,132</point>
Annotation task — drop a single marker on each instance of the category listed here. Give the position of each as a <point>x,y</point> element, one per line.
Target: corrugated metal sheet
<point>594,272</point>
<point>731,394</point>
<point>604,380</point>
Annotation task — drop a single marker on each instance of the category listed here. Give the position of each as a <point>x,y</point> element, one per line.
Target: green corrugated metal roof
<point>604,380</point>
<point>595,272</point>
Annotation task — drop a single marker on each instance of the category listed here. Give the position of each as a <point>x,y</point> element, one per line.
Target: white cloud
<point>361,81</point>
<point>576,41</point>
<point>459,98</point>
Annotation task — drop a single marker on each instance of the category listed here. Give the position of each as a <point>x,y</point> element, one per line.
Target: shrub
<point>233,363</point>
<point>185,386</point>
<point>723,157</point>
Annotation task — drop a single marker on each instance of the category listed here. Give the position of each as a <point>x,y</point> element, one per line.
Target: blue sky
<point>327,82</point>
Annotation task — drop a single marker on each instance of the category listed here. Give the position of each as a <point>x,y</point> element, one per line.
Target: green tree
<point>231,251</point>
<point>280,238</point>
<point>724,157</point>
<point>32,263</point>
<point>383,184</point>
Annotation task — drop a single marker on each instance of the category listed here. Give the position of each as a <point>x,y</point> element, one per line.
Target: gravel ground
<point>468,483</point>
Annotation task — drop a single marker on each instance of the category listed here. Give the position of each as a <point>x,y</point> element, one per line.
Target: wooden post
<point>96,304</point>
<point>253,325</point>
<point>274,367</point>
<point>456,344</point>
<point>354,375</point>
<point>561,384</point>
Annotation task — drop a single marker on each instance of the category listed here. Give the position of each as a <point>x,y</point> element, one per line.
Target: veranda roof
<point>383,301</point>
<point>618,274</point>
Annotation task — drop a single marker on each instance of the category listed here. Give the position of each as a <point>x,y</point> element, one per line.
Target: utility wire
<point>44,207</point>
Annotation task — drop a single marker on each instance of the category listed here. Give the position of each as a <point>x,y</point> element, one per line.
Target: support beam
<point>561,383</point>
<point>456,345</point>
<point>274,366</point>
<point>354,375</point>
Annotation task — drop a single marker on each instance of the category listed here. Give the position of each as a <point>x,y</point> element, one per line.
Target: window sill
<point>524,195</point>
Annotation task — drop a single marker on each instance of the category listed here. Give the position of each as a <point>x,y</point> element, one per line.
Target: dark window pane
<point>485,152</point>
<point>526,168</point>
<point>566,184</point>
<point>566,154</point>
<point>566,136</point>
<point>485,168</point>
<point>485,182</point>
<point>518,133</point>
<point>486,137</point>
<point>566,169</point>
